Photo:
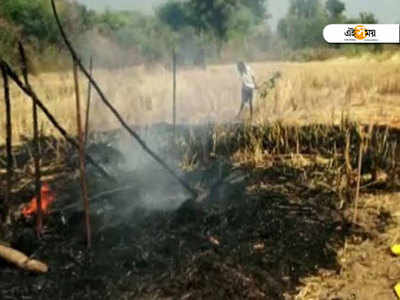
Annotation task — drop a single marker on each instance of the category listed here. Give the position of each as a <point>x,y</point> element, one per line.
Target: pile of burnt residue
<point>240,241</point>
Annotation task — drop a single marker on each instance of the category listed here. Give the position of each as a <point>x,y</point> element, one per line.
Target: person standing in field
<point>248,86</point>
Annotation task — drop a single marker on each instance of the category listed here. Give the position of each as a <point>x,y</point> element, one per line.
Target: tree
<point>222,19</point>
<point>368,18</point>
<point>114,20</point>
<point>258,8</point>
<point>219,20</point>
<point>36,21</point>
<point>34,17</point>
<point>363,18</point>
<point>212,16</point>
<point>335,8</point>
<point>175,14</point>
<point>302,27</point>
<point>304,8</point>
<point>241,22</point>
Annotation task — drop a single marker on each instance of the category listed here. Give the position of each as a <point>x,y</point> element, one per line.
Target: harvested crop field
<point>363,90</point>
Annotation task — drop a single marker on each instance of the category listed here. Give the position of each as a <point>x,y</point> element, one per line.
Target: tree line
<point>302,26</point>
<point>214,27</point>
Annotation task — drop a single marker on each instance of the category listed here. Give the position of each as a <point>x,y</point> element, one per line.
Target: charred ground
<point>263,226</point>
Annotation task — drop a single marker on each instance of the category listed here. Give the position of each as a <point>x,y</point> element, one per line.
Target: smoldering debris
<point>189,252</point>
<point>259,232</point>
<point>141,182</point>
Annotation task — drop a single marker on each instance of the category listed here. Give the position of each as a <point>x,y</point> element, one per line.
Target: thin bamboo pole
<point>5,204</point>
<point>82,169</point>
<point>359,169</point>
<point>174,91</point>
<point>36,150</point>
<point>88,102</point>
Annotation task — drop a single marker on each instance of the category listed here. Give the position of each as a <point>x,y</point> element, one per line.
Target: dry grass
<point>360,89</point>
<point>322,92</point>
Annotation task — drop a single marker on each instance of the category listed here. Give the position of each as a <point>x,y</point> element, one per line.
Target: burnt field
<point>300,202</point>
<point>276,207</point>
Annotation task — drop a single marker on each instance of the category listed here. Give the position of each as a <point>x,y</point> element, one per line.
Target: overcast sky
<point>387,11</point>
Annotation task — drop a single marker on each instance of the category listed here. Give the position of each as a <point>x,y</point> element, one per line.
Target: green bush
<point>9,36</point>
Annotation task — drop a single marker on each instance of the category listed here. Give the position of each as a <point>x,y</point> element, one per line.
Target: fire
<point>47,199</point>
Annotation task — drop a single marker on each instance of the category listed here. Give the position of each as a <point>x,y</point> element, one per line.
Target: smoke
<point>105,52</point>
<point>158,189</point>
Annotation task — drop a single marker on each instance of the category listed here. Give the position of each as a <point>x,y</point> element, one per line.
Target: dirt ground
<point>368,270</point>
<point>269,231</point>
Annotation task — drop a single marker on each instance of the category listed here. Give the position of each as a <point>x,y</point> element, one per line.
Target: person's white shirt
<point>248,78</point>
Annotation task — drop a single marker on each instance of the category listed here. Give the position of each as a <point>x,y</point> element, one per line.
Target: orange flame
<point>47,198</point>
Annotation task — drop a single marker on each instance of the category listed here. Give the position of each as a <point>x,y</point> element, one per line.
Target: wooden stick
<point>82,169</point>
<point>36,150</point>
<point>174,91</point>
<point>347,159</point>
<point>360,157</point>
<point>22,261</point>
<point>95,198</point>
<point>118,116</point>
<point>89,97</point>
<point>8,142</point>
<point>36,158</point>
<point>32,95</point>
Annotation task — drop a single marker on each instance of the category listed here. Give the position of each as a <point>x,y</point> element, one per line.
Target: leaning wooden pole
<point>117,115</point>
<point>359,169</point>
<point>22,261</point>
<point>174,91</point>
<point>36,150</point>
<point>32,95</point>
<point>6,85</point>
<point>88,102</point>
<point>82,168</point>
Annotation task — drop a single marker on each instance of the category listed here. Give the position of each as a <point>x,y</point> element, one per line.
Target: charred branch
<point>174,91</point>
<point>84,193</point>
<point>89,99</point>
<point>8,141</point>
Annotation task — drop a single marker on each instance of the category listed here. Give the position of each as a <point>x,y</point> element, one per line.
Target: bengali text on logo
<point>362,33</point>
